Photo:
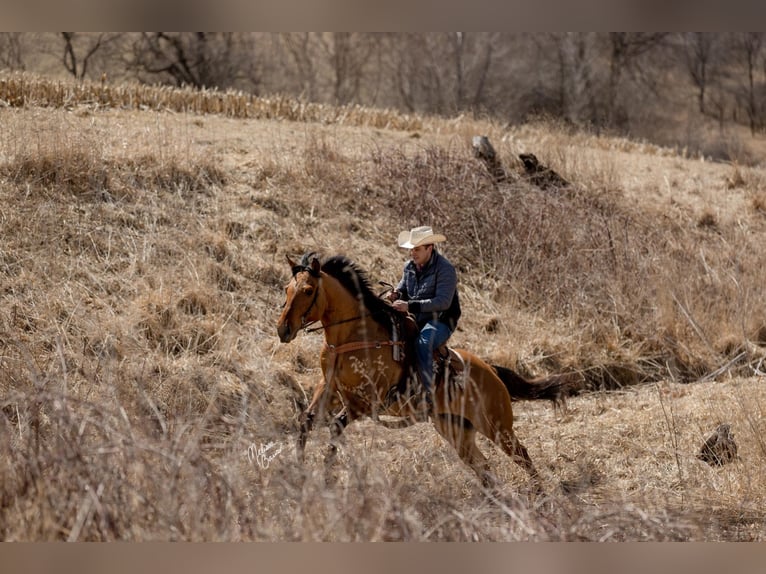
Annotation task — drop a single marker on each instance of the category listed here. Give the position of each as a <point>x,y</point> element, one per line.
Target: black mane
<point>356,282</point>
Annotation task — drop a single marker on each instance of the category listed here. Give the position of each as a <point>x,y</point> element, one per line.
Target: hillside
<point>143,267</point>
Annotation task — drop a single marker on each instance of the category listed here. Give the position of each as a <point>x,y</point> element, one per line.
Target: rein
<point>359,345</point>
<point>315,329</point>
<point>306,326</point>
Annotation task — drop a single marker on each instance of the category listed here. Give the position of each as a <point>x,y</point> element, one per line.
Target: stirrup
<point>442,352</point>
<point>449,371</point>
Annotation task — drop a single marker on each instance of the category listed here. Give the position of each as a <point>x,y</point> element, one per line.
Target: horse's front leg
<point>306,420</point>
<point>338,425</point>
<point>306,424</point>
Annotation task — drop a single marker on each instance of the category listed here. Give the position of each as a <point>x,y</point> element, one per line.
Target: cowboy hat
<point>419,236</point>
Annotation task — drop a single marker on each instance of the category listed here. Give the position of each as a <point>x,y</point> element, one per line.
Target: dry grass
<point>145,395</point>
<point>20,90</point>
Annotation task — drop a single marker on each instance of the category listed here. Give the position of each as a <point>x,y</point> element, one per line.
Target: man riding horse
<point>428,290</point>
<point>360,356</point>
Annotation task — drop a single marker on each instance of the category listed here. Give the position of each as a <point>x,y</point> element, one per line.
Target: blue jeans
<point>432,336</point>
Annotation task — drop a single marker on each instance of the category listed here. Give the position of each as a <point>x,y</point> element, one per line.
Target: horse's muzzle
<point>285,333</point>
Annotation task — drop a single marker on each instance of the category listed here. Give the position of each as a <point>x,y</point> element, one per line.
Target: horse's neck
<point>341,310</point>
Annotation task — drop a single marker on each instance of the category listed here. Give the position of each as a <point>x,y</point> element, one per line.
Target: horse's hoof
<point>300,450</point>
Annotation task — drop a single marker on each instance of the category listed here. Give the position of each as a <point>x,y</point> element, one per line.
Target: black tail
<point>554,388</point>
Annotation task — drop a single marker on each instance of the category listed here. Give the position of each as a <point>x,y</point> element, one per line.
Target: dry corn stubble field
<point>145,395</point>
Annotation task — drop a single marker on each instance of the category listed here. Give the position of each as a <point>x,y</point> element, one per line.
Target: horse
<point>360,369</point>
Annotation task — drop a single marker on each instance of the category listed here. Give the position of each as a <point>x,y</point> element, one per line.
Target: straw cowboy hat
<point>419,236</point>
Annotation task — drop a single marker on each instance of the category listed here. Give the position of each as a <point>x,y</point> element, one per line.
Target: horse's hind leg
<point>462,436</point>
<point>512,446</point>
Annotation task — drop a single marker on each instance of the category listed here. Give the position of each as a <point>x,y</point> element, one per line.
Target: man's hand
<point>401,306</point>
<point>392,295</point>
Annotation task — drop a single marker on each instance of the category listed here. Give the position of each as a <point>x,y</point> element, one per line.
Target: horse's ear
<point>290,261</point>
<point>315,266</point>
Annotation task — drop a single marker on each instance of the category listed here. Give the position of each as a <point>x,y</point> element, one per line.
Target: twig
<point>692,322</point>
<point>723,369</point>
<point>671,422</point>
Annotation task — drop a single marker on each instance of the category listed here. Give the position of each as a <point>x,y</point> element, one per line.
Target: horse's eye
<point>308,290</point>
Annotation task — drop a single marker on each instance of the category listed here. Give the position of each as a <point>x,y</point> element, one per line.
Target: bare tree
<point>199,59</point>
<point>441,72</point>
<point>472,57</point>
<point>747,49</point>
<point>625,51</point>
<point>458,49</point>
<point>482,73</point>
<point>576,56</point>
<point>347,54</point>
<point>413,72</point>
<point>79,49</point>
<point>299,47</point>
<point>698,53</point>
<point>11,51</point>
<point>597,79</point>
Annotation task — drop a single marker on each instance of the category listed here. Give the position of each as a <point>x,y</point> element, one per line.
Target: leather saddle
<point>449,366</point>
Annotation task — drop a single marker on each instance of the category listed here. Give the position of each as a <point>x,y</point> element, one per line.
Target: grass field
<point>145,394</point>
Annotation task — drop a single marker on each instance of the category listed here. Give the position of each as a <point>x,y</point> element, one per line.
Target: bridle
<point>298,269</point>
<point>321,327</point>
<point>333,350</point>
<point>306,325</point>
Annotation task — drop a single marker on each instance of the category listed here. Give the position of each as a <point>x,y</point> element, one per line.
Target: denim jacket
<point>431,293</point>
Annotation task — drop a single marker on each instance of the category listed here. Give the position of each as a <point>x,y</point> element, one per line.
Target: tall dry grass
<point>21,90</point>
<point>145,396</point>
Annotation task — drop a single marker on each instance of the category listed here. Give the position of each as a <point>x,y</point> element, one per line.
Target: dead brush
<point>323,163</point>
<point>115,478</point>
<point>75,171</point>
<point>736,178</point>
<point>175,174</point>
<point>196,302</point>
<point>758,202</point>
<point>174,333</point>
<point>514,232</point>
<point>52,157</point>
<point>64,161</point>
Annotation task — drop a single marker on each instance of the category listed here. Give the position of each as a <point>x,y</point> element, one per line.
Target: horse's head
<point>303,292</point>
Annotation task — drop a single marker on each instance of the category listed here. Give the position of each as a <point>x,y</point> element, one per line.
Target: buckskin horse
<point>359,365</point>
